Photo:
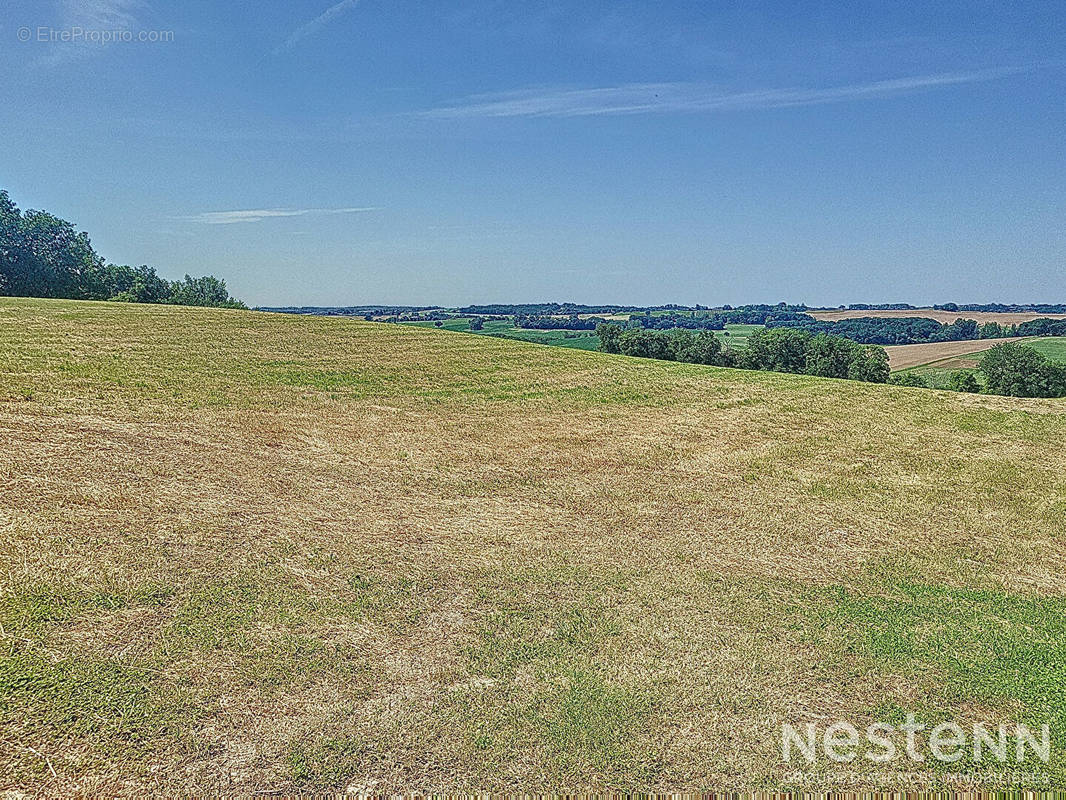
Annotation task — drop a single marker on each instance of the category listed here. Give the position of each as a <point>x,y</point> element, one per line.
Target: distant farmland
<point>736,336</point>
<point>556,337</point>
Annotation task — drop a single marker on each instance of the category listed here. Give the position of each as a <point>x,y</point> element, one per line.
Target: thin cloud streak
<point>260,214</point>
<point>89,15</point>
<point>315,25</point>
<point>675,98</point>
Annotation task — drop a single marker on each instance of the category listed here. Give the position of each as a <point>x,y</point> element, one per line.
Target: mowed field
<point>248,552</point>
<point>947,317</point>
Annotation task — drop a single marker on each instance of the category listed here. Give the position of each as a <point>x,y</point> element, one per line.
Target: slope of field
<point>248,552</point>
<point>904,356</point>
<point>1003,318</point>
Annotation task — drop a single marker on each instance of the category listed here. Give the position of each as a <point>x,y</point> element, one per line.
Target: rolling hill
<point>252,552</point>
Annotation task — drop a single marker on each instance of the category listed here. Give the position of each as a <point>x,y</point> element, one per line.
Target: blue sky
<point>399,152</point>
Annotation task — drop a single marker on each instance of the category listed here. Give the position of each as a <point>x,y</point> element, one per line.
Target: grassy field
<point>252,552</point>
<point>738,335</point>
<point>1053,347</point>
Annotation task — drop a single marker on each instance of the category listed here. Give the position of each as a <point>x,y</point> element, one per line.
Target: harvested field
<point>247,552</point>
<point>940,316</point>
<point>902,356</point>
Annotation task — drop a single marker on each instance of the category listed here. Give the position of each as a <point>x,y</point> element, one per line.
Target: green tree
<point>609,334</point>
<point>128,284</point>
<point>963,380</point>
<point>646,344</point>
<point>42,255</point>
<point>205,291</point>
<point>957,331</point>
<point>1020,371</point>
<point>699,348</point>
<point>830,356</point>
<point>777,349</point>
<point>870,364</point>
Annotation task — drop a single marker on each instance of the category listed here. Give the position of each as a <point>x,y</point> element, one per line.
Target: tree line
<point>920,330</point>
<point>670,319</point>
<point>42,255</point>
<point>1010,368</point>
<point>1002,308</point>
<point>864,330</point>
<point>774,349</point>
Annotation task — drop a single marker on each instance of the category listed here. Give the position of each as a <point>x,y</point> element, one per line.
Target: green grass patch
<point>326,763</point>
<point>1004,651</point>
<point>29,610</point>
<point>1053,348</point>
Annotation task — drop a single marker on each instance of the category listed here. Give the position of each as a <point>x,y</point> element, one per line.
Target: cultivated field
<point>937,371</point>
<point>251,552</point>
<point>903,356</point>
<point>946,317</point>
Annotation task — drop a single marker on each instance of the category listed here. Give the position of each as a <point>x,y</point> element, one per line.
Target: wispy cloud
<point>112,14</point>
<point>315,25</point>
<point>260,214</point>
<point>666,98</point>
<point>89,16</point>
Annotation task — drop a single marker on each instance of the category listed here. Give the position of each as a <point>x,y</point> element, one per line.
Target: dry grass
<point>249,552</point>
<point>1003,318</point>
